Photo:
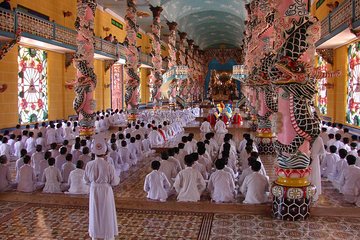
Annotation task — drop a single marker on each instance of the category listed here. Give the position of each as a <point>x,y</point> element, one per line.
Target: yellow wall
<point>323,10</point>
<point>60,99</point>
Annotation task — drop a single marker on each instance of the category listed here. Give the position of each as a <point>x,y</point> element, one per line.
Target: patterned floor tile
<point>264,227</point>
<point>59,222</point>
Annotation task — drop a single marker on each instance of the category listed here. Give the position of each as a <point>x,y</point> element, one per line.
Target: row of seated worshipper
<point>31,168</point>
<point>191,167</point>
<point>46,134</point>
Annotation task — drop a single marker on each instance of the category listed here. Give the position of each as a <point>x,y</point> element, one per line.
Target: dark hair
<point>164,156</point>
<point>342,153</point>
<point>26,159</point>
<point>331,135</point>
<point>333,149</point>
<point>155,165</point>
<point>53,145</point>
<point>63,150</point>
<point>3,159</point>
<point>23,152</point>
<point>346,140</point>
<point>51,161</point>
<point>189,161</point>
<point>79,164</point>
<point>38,148</point>
<point>351,160</point>
<point>256,166</point>
<point>219,165</point>
<point>123,143</point>
<point>47,155</point>
<point>69,157</point>
<point>254,154</point>
<point>338,136</point>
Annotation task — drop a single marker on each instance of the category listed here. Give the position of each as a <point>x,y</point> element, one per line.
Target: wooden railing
<point>347,12</point>
<point>40,29</point>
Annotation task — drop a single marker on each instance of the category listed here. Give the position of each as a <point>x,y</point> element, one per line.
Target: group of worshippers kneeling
<point>340,161</point>
<point>191,167</point>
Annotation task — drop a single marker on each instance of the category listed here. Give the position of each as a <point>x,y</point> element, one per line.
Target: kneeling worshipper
<point>102,212</point>
<point>255,187</point>
<point>156,184</point>
<point>350,181</point>
<point>76,180</point>
<point>27,178</point>
<point>5,177</point>
<point>221,184</point>
<point>220,129</point>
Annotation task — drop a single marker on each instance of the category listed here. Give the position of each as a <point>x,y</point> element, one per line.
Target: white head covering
<point>99,145</point>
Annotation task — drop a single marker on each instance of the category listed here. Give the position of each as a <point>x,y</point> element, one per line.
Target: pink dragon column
<point>189,63</point>
<point>84,103</point>
<point>181,61</point>
<point>297,126</point>
<point>156,76</point>
<point>172,61</point>
<point>132,79</point>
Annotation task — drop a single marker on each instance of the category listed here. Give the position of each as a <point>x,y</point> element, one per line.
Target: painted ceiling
<point>210,23</point>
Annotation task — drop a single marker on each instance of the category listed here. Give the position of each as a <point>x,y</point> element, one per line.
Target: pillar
<point>181,61</point>
<point>172,61</point>
<point>156,75</point>
<point>84,103</point>
<point>132,80</point>
<point>190,63</point>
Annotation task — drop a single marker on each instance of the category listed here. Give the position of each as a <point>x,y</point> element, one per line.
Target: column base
<point>291,203</point>
<point>265,144</point>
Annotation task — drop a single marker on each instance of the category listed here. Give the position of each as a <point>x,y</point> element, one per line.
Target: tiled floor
<point>33,221</point>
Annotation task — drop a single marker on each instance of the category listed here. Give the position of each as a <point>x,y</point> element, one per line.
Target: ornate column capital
<point>172,25</point>
<point>182,35</point>
<point>156,11</point>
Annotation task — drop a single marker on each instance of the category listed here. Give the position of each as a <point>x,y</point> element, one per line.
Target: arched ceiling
<point>210,23</point>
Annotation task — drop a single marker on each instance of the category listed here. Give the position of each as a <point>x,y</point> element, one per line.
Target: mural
<point>321,87</point>
<point>32,85</point>
<point>117,82</point>
<point>353,98</point>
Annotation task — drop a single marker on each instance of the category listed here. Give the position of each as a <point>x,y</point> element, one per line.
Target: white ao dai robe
<point>189,184</point>
<point>156,185</point>
<point>77,183</point>
<point>221,186</point>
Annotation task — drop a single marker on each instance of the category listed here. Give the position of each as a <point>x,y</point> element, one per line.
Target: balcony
<point>335,30</point>
<point>38,32</point>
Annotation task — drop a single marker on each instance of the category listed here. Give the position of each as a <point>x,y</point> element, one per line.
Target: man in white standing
<point>102,212</point>
<point>317,154</point>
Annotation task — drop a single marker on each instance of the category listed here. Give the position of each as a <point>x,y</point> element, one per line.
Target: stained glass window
<point>353,97</point>
<point>321,87</point>
<point>32,85</point>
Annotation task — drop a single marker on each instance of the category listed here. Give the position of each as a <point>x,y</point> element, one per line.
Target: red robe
<point>212,119</point>
<point>237,119</point>
<point>162,134</point>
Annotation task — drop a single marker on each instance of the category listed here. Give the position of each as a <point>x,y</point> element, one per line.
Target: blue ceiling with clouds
<point>210,23</point>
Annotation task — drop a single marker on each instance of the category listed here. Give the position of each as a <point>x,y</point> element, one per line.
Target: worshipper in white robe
<point>199,166</point>
<point>181,155</point>
<point>244,156</point>
<point>331,140</point>
<point>68,133</point>
<point>5,148</point>
<point>36,158</point>
<point>317,153</point>
<point>18,146</point>
<point>85,156</point>
<point>30,144</point>
<point>114,154</point>
<point>59,133</point>
<point>102,212</point>
<point>221,184</point>
<point>203,159</point>
<point>340,166</point>
<point>189,184</point>
<point>324,135</point>
<point>19,163</point>
<point>51,135</point>
<point>329,163</point>
<point>171,153</point>
<point>67,168</point>
<point>11,143</point>
<point>5,176</point>
<point>346,146</point>
<point>246,171</point>
<point>61,159</point>
<point>52,178</point>
<point>255,187</point>
<point>145,143</point>
<point>125,156</point>
<point>262,170</point>
<point>133,151</point>
<point>40,140</point>
<point>76,180</point>
<point>350,181</point>
<point>138,145</point>
<point>353,149</point>
<point>168,167</point>
<point>221,130</point>
<point>155,137</point>
<point>338,143</point>
<point>156,183</point>
<point>53,150</point>
<point>205,128</point>
<point>26,178</point>
<point>44,163</point>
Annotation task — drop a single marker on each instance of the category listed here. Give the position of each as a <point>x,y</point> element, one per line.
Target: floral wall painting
<point>32,85</point>
<point>353,94</point>
<point>321,87</point>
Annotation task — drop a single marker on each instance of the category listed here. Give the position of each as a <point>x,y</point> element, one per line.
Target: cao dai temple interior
<point>179,119</point>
